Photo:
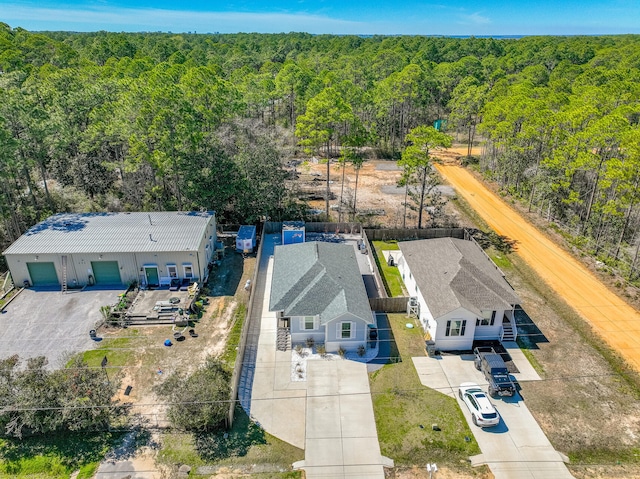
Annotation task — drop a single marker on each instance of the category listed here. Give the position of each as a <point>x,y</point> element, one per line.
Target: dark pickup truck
<point>495,371</point>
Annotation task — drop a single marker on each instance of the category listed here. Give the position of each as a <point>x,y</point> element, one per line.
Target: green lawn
<point>390,275</point>
<point>117,350</point>
<point>55,456</point>
<point>246,444</point>
<point>405,410</point>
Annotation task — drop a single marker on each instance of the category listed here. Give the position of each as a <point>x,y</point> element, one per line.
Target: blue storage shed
<point>293,232</point>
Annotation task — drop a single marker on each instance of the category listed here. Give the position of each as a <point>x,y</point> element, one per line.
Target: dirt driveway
<point>615,321</point>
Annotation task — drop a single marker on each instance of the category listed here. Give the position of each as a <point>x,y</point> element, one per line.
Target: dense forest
<point>159,121</point>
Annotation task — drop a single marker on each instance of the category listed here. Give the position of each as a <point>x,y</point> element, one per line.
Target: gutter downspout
<point>199,267</point>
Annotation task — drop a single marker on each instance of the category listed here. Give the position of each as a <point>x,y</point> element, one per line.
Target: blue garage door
<point>43,274</point>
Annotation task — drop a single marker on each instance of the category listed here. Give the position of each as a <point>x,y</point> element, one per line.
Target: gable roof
<point>162,231</point>
<point>318,278</point>
<point>453,273</point>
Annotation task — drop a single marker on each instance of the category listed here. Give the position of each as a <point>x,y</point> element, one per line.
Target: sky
<point>360,17</point>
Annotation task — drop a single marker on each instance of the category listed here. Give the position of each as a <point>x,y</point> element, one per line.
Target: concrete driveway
<point>52,324</point>
<point>516,448</point>
<point>329,415</point>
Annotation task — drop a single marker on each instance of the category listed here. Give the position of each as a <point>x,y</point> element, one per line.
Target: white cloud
<point>476,19</point>
<point>149,19</point>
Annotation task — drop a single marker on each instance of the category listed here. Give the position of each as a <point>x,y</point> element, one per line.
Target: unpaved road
<point>616,322</point>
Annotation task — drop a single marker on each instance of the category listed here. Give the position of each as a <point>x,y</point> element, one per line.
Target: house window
<point>188,270</point>
<point>308,323</point>
<point>172,270</point>
<point>345,330</point>
<point>488,319</point>
<point>456,327</point>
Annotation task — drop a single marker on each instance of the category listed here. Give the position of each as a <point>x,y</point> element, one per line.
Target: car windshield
<point>489,415</point>
<point>502,379</point>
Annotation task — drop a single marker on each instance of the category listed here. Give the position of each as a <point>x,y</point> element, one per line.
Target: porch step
<point>283,341</point>
<point>508,333</point>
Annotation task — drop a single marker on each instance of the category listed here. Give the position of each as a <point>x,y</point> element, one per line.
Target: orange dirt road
<point>617,322</point>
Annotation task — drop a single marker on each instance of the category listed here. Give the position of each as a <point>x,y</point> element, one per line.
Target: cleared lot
<point>52,324</point>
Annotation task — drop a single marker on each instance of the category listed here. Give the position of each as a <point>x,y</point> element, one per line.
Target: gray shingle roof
<point>453,273</point>
<point>318,278</point>
<point>114,233</point>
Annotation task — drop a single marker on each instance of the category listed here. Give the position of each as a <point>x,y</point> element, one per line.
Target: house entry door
<point>153,278</point>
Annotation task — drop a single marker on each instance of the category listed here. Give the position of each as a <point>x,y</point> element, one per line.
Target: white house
<point>76,249</point>
<point>461,294</point>
<point>317,292</point>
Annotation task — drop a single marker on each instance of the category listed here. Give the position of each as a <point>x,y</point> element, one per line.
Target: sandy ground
<point>153,361</point>
<point>616,321</point>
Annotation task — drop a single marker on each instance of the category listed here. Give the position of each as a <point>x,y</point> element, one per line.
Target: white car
<point>483,413</point>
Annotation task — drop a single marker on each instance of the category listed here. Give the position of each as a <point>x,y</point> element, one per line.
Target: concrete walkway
<point>515,449</point>
<point>330,415</point>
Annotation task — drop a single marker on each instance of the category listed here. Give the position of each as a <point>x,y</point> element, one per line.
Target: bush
<point>361,350</point>
<point>321,349</point>
<point>200,401</point>
<point>310,342</point>
<point>342,351</point>
<point>75,399</point>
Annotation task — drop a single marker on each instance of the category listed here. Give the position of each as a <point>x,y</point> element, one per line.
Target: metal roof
<point>453,273</point>
<point>318,278</point>
<point>71,233</point>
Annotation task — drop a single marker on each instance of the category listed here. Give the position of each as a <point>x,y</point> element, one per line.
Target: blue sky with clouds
<point>437,17</point>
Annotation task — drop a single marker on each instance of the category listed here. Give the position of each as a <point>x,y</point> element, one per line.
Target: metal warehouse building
<point>76,249</point>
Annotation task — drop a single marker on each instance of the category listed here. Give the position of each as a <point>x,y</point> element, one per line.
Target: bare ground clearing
<point>151,361</point>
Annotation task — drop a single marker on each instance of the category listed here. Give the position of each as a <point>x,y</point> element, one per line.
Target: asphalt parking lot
<point>52,324</point>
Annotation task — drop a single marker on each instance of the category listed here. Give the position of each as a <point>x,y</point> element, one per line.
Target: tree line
<point>156,121</point>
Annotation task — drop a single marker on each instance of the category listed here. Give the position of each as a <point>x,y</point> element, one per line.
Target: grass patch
<point>405,410</point>
<point>390,275</point>
<point>233,339</point>
<point>500,259</point>
<point>54,456</point>
<point>606,456</point>
<point>246,444</point>
<point>524,347</point>
<point>119,351</point>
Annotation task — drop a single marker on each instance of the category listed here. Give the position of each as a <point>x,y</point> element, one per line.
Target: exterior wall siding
<point>451,343</point>
<point>359,334</point>
<point>491,332</point>
<point>426,317</point>
<point>300,335</point>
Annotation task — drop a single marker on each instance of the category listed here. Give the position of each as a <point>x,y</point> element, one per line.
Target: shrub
<point>321,349</point>
<point>310,342</point>
<point>199,402</point>
<point>361,350</point>
<point>342,351</point>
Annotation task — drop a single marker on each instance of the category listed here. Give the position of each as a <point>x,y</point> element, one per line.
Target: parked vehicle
<point>483,413</point>
<point>495,372</point>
